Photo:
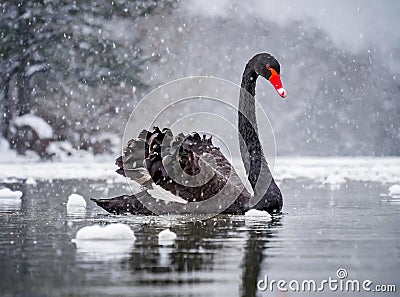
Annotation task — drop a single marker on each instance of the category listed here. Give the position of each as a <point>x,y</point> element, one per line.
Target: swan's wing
<point>175,163</point>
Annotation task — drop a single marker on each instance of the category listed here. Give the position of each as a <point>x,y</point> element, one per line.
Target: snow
<point>60,170</point>
<point>76,205</point>
<point>10,180</point>
<point>394,191</point>
<point>9,155</point>
<point>113,232</point>
<point>166,237</point>
<point>10,200</point>
<point>326,170</point>
<point>334,181</point>
<point>31,181</point>
<point>35,68</point>
<point>40,126</point>
<point>61,149</point>
<point>254,213</point>
<point>76,200</point>
<point>339,169</point>
<point>112,242</point>
<point>6,193</point>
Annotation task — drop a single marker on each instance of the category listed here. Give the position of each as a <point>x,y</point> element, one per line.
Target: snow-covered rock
<point>6,193</point>
<point>76,205</point>
<point>166,237</point>
<point>113,232</point>
<point>39,125</point>
<point>394,191</point>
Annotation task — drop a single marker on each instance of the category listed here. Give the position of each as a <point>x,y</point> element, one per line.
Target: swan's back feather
<point>156,155</point>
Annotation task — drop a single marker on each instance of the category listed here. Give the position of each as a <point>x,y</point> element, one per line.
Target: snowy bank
<point>326,170</point>
<point>336,170</point>
<point>60,170</point>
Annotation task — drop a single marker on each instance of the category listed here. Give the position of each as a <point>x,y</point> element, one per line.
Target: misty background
<point>83,66</point>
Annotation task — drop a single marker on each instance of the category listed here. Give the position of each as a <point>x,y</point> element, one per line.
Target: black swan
<point>154,155</point>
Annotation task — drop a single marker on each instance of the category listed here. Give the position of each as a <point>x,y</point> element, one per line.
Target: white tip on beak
<point>282,92</point>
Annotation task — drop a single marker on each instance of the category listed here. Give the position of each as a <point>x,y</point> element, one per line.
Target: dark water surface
<point>354,227</point>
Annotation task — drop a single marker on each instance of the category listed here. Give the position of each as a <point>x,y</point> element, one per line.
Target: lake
<point>344,229</point>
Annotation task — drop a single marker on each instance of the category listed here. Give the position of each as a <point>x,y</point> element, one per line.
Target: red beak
<point>275,80</point>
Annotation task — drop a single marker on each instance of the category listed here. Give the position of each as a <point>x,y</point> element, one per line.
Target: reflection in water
<point>165,252</point>
<point>259,236</point>
<point>224,255</point>
<point>10,205</point>
<point>103,250</point>
<point>77,213</point>
<point>226,242</point>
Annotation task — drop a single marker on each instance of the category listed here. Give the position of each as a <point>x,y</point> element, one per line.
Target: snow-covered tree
<point>73,63</point>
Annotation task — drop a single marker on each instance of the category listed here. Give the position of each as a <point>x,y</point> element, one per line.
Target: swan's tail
<point>124,204</point>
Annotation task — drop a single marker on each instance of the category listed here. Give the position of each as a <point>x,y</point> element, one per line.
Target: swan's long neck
<point>250,146</point>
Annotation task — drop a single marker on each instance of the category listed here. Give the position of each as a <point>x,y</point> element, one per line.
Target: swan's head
<point>268,67</point>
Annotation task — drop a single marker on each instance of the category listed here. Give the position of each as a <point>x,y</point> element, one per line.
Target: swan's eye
<point>268,67</point>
